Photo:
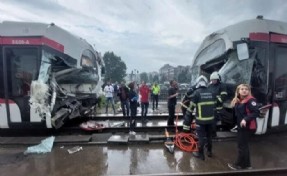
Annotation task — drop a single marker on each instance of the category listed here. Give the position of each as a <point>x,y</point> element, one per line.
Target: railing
<point>164,94</point>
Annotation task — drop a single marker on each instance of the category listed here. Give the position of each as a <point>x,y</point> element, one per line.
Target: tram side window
<point>21,69</point>
<point>1,75</point>
<point>259,75</point>
<point>281,74</point>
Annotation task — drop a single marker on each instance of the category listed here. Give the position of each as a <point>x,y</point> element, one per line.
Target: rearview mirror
<point>242,51</point>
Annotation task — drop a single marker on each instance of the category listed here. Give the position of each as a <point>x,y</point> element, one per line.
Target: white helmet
<point>201,81</point>
<point>214,75</point>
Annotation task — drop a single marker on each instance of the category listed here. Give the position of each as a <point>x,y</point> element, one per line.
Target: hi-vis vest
<point>204,101</point>
<point>155,89</point>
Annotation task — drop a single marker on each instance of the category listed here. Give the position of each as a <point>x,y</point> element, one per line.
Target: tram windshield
<point>22,67</point>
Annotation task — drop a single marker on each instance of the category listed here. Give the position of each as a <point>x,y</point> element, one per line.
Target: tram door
<point>20,69</point>
<point>279,116</point>
<point>3,103</point>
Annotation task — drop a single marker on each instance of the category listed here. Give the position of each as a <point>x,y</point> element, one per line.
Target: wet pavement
<point>267,152</point>
<point>120,154</point>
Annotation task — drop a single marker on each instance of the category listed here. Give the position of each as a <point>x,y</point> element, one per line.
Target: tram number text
<point>20,42</point>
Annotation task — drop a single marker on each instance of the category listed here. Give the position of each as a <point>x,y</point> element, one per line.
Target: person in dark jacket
<point>204,101</point>
<point>133,97</point>
<point>172,93</point>
<point>123,94</point>
<point>219,90</point>
<point>246,111</point>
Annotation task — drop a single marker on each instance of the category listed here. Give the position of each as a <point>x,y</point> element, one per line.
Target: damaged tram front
<point>252,52</point>
<point>47,76</point>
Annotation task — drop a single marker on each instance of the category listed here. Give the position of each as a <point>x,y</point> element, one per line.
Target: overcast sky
<point>146,34</point>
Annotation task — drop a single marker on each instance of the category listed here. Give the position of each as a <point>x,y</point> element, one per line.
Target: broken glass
<point>236,72</point>
<point>212,51</point>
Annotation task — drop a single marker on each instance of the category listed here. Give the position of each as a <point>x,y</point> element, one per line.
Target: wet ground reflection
<point>129,159</point>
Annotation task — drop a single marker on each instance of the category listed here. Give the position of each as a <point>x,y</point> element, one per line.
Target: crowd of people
<point>202,104</point>
<point>132,96</point>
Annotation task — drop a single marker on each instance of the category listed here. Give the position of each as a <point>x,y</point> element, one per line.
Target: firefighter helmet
<point>215,75</point>
<point>201,81</point>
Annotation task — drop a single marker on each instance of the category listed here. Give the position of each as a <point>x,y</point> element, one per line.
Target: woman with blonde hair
<point>246,111</point>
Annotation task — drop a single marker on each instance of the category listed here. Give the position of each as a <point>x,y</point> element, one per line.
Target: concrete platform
<point>139,138</point>
<point>72,138</point>
<point>21,140</point>
<point>101,137</point>
<point>119,139</point>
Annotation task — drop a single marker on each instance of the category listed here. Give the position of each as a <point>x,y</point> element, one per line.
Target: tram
<point>47,76</point>
<point>253,52</point>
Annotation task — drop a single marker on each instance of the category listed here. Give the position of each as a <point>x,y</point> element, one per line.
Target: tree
<point>150,78</point>
<point>144,77</point>
<point>115,67</point>
<point>156,78</point>
<point>184,76</point>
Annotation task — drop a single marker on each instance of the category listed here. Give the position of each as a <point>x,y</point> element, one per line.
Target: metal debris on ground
<point>75,149</point>
<point>120,124</point>
<point>92,125</point>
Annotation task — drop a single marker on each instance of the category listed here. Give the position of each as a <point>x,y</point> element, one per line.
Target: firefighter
<point>219,90</point>
<point>186,100</point>
<point>204,101</point>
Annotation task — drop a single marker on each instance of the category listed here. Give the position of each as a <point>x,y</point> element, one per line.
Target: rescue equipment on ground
<point>186,141</point>
<point>169,144</point>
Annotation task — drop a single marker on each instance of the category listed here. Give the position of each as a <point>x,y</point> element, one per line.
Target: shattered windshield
<point>88,76</point>
<point>45,66</point>
<point>232,72</point>
<point>235,71</point>
<point>212,51</point>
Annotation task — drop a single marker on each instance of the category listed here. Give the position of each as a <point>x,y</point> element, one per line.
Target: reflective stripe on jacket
<point>204,101</point>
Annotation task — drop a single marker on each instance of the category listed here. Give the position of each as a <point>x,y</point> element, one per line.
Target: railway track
<point>115,126</point>
<point>111,124</point>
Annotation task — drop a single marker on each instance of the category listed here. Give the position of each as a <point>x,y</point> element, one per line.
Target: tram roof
<point>73,45</point>
<point>241,30</point>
